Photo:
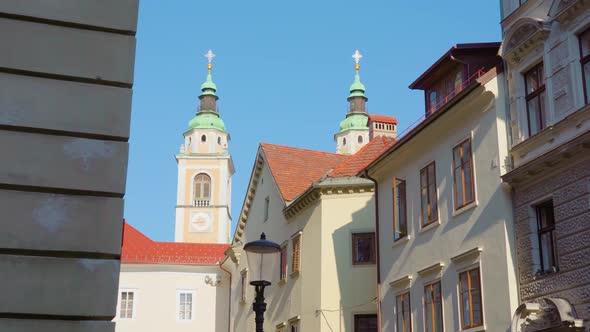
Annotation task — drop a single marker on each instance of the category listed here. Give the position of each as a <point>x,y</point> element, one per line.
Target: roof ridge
<point>298,148</point>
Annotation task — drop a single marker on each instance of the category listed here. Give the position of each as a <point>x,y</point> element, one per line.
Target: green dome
<point>355,121</point>
<point>207,120</point>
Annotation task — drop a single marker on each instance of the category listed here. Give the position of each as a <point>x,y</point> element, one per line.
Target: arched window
<point>203,138</point>
<point>219,140</point>
<point>360,139</point>
<point>202,190</point>
<point>344,141</point>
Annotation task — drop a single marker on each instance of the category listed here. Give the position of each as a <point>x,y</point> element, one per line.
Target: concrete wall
<point>486,224</point>
<point>66,73</point>
<point>156,288</point>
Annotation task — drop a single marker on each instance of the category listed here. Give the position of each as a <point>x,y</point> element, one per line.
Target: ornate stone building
<point>546,47</point>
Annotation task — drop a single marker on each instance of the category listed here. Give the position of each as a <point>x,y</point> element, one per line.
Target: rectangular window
<point>404,313</point>
<point>185,305</point>
<point>400,224</point>
<point>296,261</point>
<point>365,323</point>
<point>428,194</point>
<point>585,61</point>
<point>243,285</point>
<point>433,308</point>
<point>283,267</point>
<point>546,238</point>
<point>126,310</point>
<point>470,299</point>
<point>294,327</point>
<point>534,80</point>
<point>463,174</point>
<point>444,90</point>
<point>363,248</point>
<point>266,207</point>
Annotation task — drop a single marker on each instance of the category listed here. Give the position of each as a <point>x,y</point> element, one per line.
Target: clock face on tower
<point>200,222</point>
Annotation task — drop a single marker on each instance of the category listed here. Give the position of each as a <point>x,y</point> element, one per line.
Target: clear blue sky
<point>282,71</point>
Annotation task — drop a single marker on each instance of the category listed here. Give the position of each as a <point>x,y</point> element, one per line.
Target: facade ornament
<point>213,281</point>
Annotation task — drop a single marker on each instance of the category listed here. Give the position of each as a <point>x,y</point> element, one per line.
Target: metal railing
<point>443,101</point>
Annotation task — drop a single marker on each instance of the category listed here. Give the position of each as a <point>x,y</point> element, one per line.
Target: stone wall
<point>66,76</point>
<point>569,187</point>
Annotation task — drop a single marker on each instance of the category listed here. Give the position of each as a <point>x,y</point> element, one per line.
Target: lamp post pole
<point>259,305</point>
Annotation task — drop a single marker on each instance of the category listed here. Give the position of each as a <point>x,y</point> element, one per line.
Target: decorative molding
<point>281,325</point>
<point>294,319</point>
<point>435,268</point>
<point>564,11</point>
<point>213,282</point>
<point>523,37</point>
<point>401,282</point>
<point>475,252</point>
<point>546,314</point>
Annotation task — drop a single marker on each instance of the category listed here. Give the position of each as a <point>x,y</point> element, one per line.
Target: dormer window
<point>444,89</point>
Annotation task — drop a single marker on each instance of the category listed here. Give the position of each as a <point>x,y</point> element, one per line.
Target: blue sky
<point>282,71</point>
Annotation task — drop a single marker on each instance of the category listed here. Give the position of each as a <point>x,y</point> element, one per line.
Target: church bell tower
<point>205,168</point>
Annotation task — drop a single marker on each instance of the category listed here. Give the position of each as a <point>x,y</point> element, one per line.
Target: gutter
<point>229,294</point>
<point>377,251</point>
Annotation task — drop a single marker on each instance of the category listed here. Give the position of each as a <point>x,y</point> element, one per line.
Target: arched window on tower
<point>202,193</point>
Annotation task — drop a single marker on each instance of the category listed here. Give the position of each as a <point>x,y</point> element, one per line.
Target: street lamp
<point>262,258</point>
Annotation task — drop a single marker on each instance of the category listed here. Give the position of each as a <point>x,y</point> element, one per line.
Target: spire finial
<point>357,57</point>
<point>209,57</point>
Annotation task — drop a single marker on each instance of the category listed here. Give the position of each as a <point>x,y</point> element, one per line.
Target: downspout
<point>229,295</point>
<point>377,251</point>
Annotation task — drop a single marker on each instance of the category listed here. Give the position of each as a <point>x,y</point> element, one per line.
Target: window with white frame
<point>185,305</point>
<point>126,307</point>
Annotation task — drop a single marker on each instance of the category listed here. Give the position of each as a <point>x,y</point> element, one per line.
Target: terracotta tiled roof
<point>138,248</point>
<point>383,118</point>
<point>363,157</point>
<point>295,169</point>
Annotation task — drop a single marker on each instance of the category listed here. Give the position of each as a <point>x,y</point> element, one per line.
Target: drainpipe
<point>377,255</point>
<point>229,295</point>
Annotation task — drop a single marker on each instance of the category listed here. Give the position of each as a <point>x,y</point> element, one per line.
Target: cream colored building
<point>323,216</point>
<point>179,286</point>
<point>446,245</point>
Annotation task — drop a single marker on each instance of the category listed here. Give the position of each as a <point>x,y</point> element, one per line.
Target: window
<point>283,267</point>
<point>344,141</point>
<point>400,224</point>
<point>294,326</point>
<point>363,248</point>
<point>463,174</point>
<point>428,194</point>
<point>126,308</point>
<point>470,299</point>
<point>266,207</point>
<point>185,305</point>
<point>534,81</point>
<point>219,140</point>
<point>202,189</point>
<point>443,90</point>
<point>404,313</point>
<point>203,138</point>
<point>365,323</point>
<point>585,61</point>
<point>296,259</point>
<point>360,139</point>
<point>433,308</point>
<point>243,285</point>
<point>546,238</point>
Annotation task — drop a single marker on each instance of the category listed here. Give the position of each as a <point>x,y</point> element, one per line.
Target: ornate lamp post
<point>262,258</point>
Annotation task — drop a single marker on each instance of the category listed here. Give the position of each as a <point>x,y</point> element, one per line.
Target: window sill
<point>465,208</point>
<point>401,241</point>
<point>474,329</point>
<point>429,226</point>
<point>367,264</point>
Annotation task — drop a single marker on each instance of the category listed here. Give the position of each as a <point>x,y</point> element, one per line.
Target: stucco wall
<point>66,73</point>
<point>487,224</point>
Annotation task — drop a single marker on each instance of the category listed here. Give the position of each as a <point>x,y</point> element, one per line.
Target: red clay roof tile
<point>363,157</point>
<point>138,248</point>
<point>383,118</point>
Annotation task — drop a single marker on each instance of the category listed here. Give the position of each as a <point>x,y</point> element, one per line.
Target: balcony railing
<point>201,202</point>
<point>443,101</point>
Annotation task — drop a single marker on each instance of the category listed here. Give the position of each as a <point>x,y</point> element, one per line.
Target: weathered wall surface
<point>66,76</point>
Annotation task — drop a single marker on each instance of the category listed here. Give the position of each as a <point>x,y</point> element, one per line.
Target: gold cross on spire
<point>357,57</point>
<point>209,57</point>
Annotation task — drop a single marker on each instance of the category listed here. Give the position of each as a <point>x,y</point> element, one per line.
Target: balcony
<point>201,202</point>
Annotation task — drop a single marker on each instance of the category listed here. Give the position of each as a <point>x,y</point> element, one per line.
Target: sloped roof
<point>138,248</point>
<point>295,169</point>
<point>363,157</point>
<point>383,118</point>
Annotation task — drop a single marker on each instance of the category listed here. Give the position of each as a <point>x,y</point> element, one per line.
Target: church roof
<point>138,248</point>
<point>383,118</point>
<point>295,169</point>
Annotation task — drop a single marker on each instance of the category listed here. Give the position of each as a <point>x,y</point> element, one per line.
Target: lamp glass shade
<point>263,259</point>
